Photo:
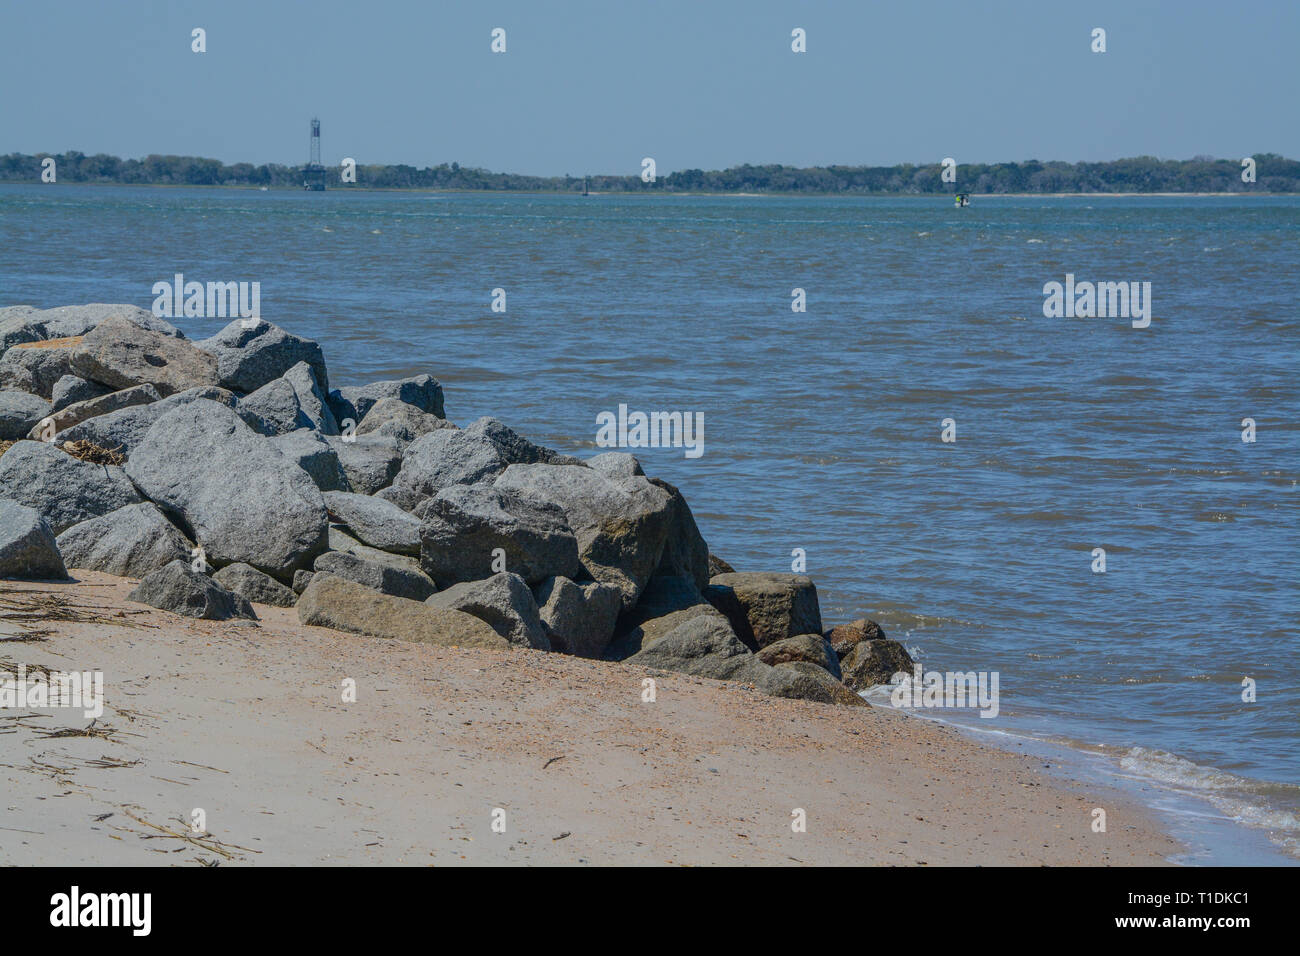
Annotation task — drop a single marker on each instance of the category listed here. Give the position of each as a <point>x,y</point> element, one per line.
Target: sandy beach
<point>247,723</point>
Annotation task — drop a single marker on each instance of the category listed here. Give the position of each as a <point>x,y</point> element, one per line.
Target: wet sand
<point>248,724</point>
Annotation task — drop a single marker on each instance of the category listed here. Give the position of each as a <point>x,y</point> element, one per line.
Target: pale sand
<point>246,722</point>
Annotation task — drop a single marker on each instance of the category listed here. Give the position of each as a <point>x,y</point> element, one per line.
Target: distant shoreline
<point>946,197</point>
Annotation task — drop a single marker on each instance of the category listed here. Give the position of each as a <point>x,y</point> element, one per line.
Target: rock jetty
<point>226,473</point>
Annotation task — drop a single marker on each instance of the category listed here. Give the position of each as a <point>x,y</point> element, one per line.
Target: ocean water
<point>822,428</point>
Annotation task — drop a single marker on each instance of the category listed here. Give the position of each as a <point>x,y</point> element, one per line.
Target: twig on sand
<point>552,760</point>
<point>206,842</point>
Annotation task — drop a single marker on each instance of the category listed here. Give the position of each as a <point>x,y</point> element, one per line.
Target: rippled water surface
<point>822,429</point>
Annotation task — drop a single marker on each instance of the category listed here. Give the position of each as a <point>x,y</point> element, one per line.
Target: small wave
<point>1252,803</point>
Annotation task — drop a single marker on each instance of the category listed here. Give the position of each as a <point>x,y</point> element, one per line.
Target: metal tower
<point>313,174</point>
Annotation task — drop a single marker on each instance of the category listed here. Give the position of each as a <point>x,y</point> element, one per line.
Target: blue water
<point>823,428</point>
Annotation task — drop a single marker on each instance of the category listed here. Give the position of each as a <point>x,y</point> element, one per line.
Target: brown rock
<point>874,662</point>
<point>845,636</point>
<point>812,648</point>
<point>119,353</point>
<point>804,681</point>
<point>766,607</point>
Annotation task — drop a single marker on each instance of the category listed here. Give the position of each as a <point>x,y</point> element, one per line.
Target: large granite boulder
<point>397,419</point>
<point>20,412</point>
<point>504,602</point>
<point>378,523</point>
<point>464,526</point>
<point>312,404</point>
<point>311,452</point>
<point>130,542</point>
<point>331,601</point>
<point>370,462</point>
<point>65,490</point>
<point>666,602</point>
<point>251,353</point>
<point>176,587</point>
<point>276,403</point>
<point>36,366</point>
<point>478,452</point>
<point>616,464</point>
<point>237,495</point>
<point>254,586</point>
<point>27,545</point>
<point>383,576</point>
<point>119,353</point>
<point>579,618</point>
<point>622,524</point>
<point>765,607</point>
<point>685,551</point>
<point>355,402</point>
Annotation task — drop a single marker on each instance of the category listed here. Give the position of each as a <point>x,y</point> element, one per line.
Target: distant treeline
<point>1273,173</point>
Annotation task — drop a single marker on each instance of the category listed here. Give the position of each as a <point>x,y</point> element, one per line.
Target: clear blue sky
<point>594,87</point>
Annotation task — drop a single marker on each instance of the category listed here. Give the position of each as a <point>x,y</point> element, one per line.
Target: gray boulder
<point>313,454</point>
<point>439,460</point>
<point>71,320</point>
<point>124,429</point>
<point>376,522</point>
<point>397,419</point>
<point>20,412</point>
<point>65,490</point>
<point>466,456</point>
<point>579,618</point>
<point>130,542</point>
<point>301,579</point>
<point>27,545</point>
<point>311,399</point>
<point>667,602</point>
<point>276,403</point>
<point>765,607</point>
<point>685,551</point>
<point>70,389</point>
<point>802,680</point>
<point>382,576</point>
<point>177,588</point>
<point>504,602</point>
<point>35,366</point>
<point>371,462</point>
<point>622,524</point>
<point>616,464</point>
<point>93,407</point>
<point>464,525</point>
<point>331,601</point>
<point>240,498</point>
<point>705,646</point>
<point>248,358</point>
<point>355,402</point>
<point>119,353</point>
<point>252,585</point>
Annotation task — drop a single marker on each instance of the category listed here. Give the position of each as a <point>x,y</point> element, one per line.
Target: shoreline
<point>709,195</point>
<point>245,722</point>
